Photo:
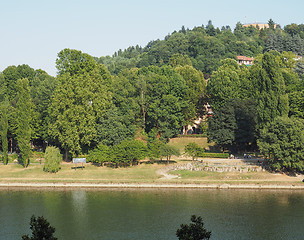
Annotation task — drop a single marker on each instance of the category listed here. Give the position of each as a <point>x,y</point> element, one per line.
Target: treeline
<point>260,107</point>
<point>207,45</point>
<point>102,106</point>
<point>85,106</point>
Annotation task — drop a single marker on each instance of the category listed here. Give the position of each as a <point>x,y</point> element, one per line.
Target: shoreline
<point>147,185</point>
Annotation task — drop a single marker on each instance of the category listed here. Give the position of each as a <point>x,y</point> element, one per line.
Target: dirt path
<point>165,174</point>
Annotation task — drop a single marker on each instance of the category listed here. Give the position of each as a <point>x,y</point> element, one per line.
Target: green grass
<point>144,173</point>
<point>91,173</point>
<point>180,143</point>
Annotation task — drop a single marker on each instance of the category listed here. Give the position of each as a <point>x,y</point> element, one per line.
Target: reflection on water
<point>154,214</point>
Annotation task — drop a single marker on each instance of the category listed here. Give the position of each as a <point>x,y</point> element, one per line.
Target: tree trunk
<point>11,139</point>
<point>66,154</point>
<point>143,108</point>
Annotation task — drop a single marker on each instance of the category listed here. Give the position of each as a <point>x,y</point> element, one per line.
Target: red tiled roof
<point>243,58</point>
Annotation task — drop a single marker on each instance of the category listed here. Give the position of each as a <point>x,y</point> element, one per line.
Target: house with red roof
<point>248,61</point>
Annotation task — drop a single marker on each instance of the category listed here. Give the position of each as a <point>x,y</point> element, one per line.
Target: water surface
<point>154,214</point>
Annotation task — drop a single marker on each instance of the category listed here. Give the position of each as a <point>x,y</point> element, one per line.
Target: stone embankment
<point>222,168</point>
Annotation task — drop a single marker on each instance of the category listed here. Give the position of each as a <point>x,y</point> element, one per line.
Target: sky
<point>34,31</point>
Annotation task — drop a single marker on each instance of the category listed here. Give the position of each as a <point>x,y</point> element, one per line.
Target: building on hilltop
<point>259,25</point>
<point>244,60</point>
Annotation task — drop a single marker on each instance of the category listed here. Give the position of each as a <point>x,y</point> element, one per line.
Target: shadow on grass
<point>78,167</point>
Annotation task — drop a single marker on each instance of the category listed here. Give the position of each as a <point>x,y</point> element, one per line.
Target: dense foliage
<point>52,159</point>
<point>282,141</point>
<point>97,106</point>
<point>193,231</point>
<point>41,229</point>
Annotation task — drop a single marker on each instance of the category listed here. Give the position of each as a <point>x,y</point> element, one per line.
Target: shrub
<point>101,154</point>
<point>52,161</point>
<point>192,135</point>
<point>193,150</point>
<point>214,155</point>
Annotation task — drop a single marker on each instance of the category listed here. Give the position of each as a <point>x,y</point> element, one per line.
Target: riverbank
<point>62,185</point>
<point>230,174</point>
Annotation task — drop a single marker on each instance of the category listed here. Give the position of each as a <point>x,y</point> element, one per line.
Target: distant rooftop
<point>259,25</point>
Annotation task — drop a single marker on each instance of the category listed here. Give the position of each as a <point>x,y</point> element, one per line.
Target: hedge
<point>192,135</point>
<point>215,155</point>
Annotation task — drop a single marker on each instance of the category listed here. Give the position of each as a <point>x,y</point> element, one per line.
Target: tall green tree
<point>79,103</point>
<point>4,111</point>
<point>272,100</point>
<point>74,62</point>
<point>196,86</point>
<point>282,143</point>
<point>222,127</point>
<point>24,109</point>
<point>224,84</point>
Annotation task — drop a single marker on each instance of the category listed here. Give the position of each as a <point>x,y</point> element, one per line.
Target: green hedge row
<point>192,135</point>
<point>215,155</point>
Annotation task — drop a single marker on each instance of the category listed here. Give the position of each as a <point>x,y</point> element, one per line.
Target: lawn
<point>180,143</point>
<point>90,173</point>
<point>144,173</point>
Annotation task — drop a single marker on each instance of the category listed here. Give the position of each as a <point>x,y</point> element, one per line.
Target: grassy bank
<point>144,173</point>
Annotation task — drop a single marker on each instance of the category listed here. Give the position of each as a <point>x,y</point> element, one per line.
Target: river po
<point>144,214</point>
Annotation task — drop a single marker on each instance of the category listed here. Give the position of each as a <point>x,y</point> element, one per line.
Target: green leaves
<point>193,150</point>
<point>24,108</point>
<point>52,159</point>
<point>282,142</point>
<point>4,111</point>
<point>193,231</point>
<point>79,103</point>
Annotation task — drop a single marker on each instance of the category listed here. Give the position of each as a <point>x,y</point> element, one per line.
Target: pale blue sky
<point>34,31</point>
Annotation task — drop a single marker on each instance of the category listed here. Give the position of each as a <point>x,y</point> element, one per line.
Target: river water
<point>123,214</point>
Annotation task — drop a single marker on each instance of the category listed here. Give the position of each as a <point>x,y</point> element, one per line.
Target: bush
<point>214,155</point>
<point>52,160</point>
<point>101,154</point>
<point>192,135</point>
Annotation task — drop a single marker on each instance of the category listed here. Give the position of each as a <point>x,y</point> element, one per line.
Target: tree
<point>222,127</point>
<point>282,143</point>
<point>79,103</point>
<point>154,145</point>
<point>101,154</point>
<point>272,100</point>
<point>168,151</point>
<point>113,128</point>
<point>193,150</point>
<point>11,74</point>
<point>271,24</point>
<point>224,84</point>
<point>42,91</point>
<point>23,122</point>
<point>165,100</point>
<point>74,62</point>
<point>193,231</point>
<point>179,60</point>
<point>128,152</point>
<point>196,86</point>
<point>4,108</point>
<point>52,159</point>
<point>41,229</point>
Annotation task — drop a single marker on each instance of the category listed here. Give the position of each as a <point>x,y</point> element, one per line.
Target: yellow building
<point>258,25</point>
